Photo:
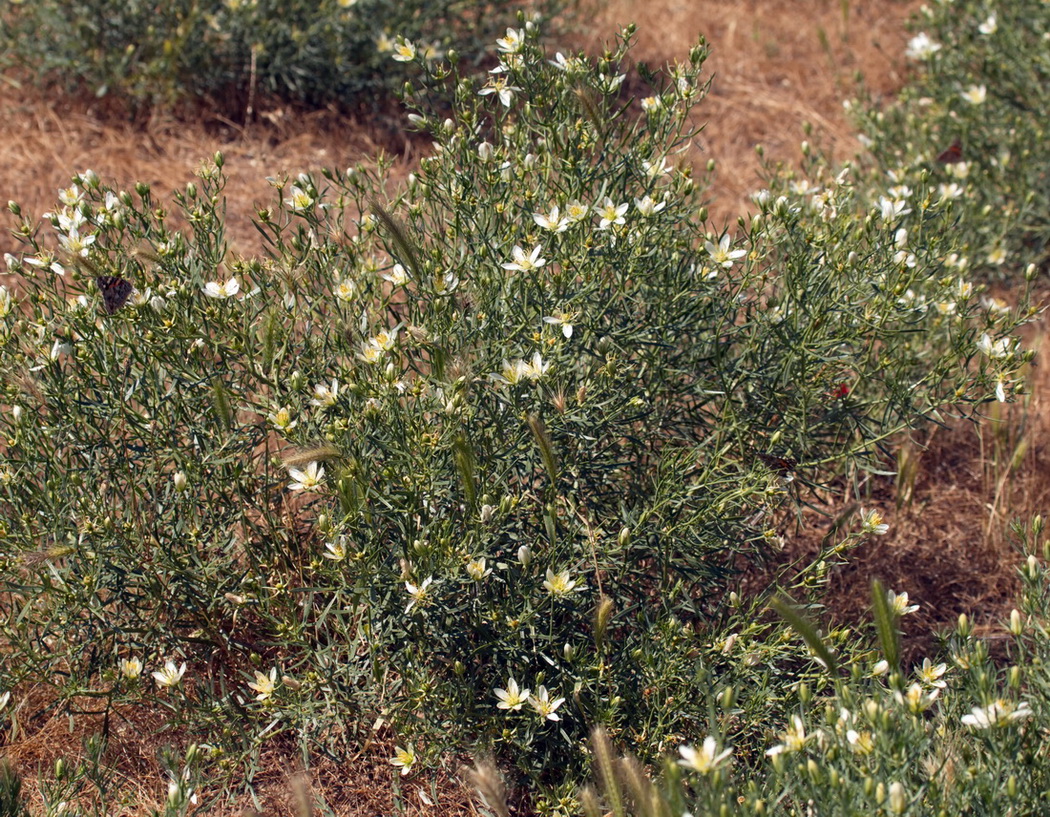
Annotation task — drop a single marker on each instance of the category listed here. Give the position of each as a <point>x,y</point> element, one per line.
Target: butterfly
<point>115,292</point>
<point>952,154</point>
<point>782,465</point>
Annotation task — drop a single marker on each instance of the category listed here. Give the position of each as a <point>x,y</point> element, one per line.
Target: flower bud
<point>1016,624</point>
<point>180,481</point>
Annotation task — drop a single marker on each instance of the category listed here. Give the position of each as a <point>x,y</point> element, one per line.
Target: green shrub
<point>966,736</point>
<point>517,426</point>
<point>236,52</point>
<point>983,85</point>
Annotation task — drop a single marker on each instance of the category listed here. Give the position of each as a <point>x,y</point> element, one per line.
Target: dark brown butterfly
<point>782,465</point>
<point>115,292</point>
<point>952,154</point>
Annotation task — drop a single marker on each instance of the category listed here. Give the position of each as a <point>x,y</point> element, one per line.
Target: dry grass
<point>775,68</point>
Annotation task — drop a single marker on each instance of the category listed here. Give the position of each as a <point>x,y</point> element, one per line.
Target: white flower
<point>721,253</point>
<point>170,676</point>
<point>575,211</point>
<point>499,86</point>
<point>998,712</point>
<point>562,319</point>
<point>325,396</point>
<point>336,551</point>
<point>930,674</point>
<point>899,603</point>
<point>404,51</point>
<point>890,209</point>
<point>989,26</point>
<point>611,213</point>
<point>299,200</point>
<point>476,569</point>
<point>76,244</point>
<point>994,348</point>
<point>544,706</point>
<point>559,584</point>
<point>975,94</point>
<point>793,740</point>
<point>567,64</point>
<point>264,684</point>
<point>403,758</point>
<point>523,262</point>
<point>647,207</point>
<point>535,368</point>
<point>418,593</point>
<point>512,698</point>
<point>921,47</point>
<point>652,103</point>
<point>873,524</point>
<point>398,276</point>
<point>512,373</point>
<point>1000,390</point>
<point>6,302</point>
<point>282,419</point>
<point>707,759</point>
<point>656,168</point>
<point>131,668</point>
<point>512,43</point>
<point>950,191</point>
<point>553,221</point>
<point>227,289</point>
<point>308,479</point>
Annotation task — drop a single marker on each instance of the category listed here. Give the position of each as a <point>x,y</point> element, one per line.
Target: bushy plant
<point>477,459</point>
<point>966,735</point>
<point>971,123</point>
<point>237,53</point>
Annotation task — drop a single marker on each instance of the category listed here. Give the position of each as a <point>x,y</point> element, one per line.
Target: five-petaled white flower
<point>873,524</point>
<point>999,712</point>
<point>131,668</point>
<point>611,213</point>
<point>336,551</point>
<point>899,603</point>
<point>564,320</point>
<point>227,289</point>
<point>264,684</point>
<point>989,26</point>
<point>553,221</point>
<point>404,759</point>
<point>171,675</point>
<point>544,706</point>
<point>282,419</point>
<point>418,593</point>
<point>707,759</point>
<point>404,51</point>
<point>498,85</point>
<point>559,584</point>
<point>324,395</point>
<point>476,569</point>
<point>299,199</point>
<point>921,47</point>
<point>975,94</point>
<point>994,348</point>
<point>930,673</point>
<point>721,254</point>
<point>647,207</point>
<point>513,42</point>
<point>308,479</point>
<point>512,698</point>
<point>890,209</point>
<point>793,740</point>
<point>523,262</point>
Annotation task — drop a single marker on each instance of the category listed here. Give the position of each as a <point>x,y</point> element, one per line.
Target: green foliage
<point>983,82</point>
<point>962,737</point>
<point>478,459</point>
<point>236,52</point>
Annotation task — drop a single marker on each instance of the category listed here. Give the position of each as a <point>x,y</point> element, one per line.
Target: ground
<point>774,70</point>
